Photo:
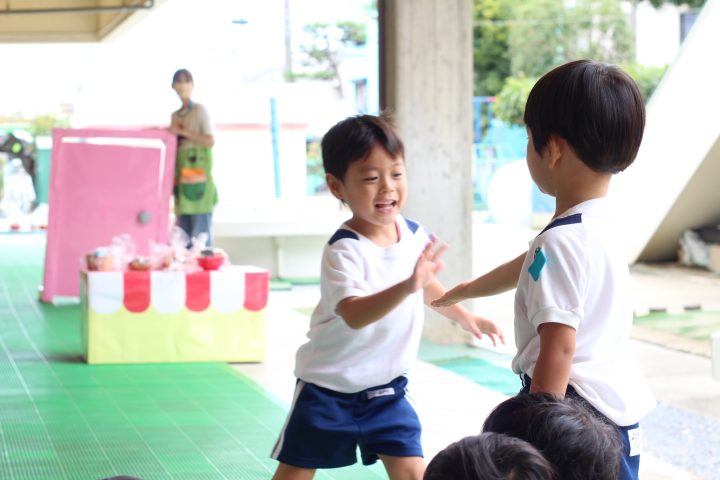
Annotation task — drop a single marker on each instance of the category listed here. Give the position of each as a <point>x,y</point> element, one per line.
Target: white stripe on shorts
<point>278,446</point>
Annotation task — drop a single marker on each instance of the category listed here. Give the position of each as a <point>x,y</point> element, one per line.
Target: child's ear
<point>334,185</point>
<point>555,149</point>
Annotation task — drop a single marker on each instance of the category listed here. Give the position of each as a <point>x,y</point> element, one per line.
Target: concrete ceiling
<point>37,21</point>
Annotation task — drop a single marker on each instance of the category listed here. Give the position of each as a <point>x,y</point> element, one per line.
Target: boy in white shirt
<point>377,271</point>
<point>573,311</point>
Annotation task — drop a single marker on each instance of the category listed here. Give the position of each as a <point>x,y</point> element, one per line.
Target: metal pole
<point>275,133</point>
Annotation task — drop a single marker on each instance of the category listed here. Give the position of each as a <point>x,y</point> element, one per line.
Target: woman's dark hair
<point>182,74</point>
<point>597,108</point>
<point>580,443</point>
<point>352,139</point>
<point>489,456</point>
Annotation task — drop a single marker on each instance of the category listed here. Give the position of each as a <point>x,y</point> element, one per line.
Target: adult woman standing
<point>195,193</point>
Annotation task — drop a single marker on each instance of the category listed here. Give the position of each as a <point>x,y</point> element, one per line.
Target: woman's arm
<point>203,139</point>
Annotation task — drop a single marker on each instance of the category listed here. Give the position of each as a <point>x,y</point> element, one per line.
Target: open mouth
<point>389,205</point>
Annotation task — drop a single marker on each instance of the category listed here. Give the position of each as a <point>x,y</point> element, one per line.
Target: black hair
<point>597,108</point>
<point>352,139</point>
<point>183,72</point>
<point>580,443</point>
<point>490,456</point>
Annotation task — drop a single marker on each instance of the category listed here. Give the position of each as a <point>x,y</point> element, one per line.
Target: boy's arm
<point>359,312</point>
<point>499,280</point>
<point>552,369</point>
<point>472,323</point>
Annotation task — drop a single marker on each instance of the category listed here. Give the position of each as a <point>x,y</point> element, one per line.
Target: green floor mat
<point>63,419</point>
<point>484,367</point>
<point>692,325</point>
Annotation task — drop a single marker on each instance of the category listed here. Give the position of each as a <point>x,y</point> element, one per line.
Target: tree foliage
<point>547,33</point>
<point>517,41</point>
<point>42,125</point>
<point>689,3</point>
<point>491,55</point>
<point>325,46</point>
<point>510,104</point>
<point>647,78</point>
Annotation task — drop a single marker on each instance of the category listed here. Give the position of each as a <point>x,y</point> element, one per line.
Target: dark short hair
<point>577,441</point>
<point>597,108</point>
<point>183,72</point>
<point>489,456</point>
<point>352,139</point>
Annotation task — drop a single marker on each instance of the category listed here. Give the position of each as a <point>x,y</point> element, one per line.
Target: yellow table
<point>170,316</point>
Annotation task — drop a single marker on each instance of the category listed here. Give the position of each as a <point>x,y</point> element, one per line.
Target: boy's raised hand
<point>427,266</point>
<point>478,326</point>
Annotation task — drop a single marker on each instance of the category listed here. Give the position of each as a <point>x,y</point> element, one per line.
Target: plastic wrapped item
<point>115,256</point>
<point>139,264</point>
<point>180,259</point>
<point>100,260</point>
<point>198,244</point>
<point>161,256</point>
<point>123,249</point>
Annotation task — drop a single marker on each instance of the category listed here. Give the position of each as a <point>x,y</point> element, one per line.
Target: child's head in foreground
<point>489,456</point>
<point>365,169</point>
<point>597,108</point>
<point>579,444</point>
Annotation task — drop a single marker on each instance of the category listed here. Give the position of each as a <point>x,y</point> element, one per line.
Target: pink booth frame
<point>103,183</point>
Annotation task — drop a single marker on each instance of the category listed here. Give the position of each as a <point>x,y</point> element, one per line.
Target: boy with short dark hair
<point>573,311</point>
<point>377,271</point>
<point>490,456</point>
<point>579,444</point>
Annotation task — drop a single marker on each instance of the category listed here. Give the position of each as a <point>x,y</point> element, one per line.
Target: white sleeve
<point>557,280</point>
<point>206,127</point>
<point>343,273</point>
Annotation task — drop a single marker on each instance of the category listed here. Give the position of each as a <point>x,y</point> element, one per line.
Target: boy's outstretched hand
<point>451,297</point>
<point>427,266</point>
<point>478,326</point>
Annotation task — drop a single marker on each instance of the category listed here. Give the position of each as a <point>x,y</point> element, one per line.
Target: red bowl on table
<point>211,263</point>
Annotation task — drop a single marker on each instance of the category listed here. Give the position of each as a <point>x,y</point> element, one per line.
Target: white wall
<point>682,128</point>
<point>657,34</point>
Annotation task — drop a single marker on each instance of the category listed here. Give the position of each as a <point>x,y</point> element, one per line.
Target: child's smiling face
<point>375,189</point>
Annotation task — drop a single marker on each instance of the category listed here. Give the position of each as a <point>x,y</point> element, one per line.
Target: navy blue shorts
<point>631,435</point>
<point>324,427</point>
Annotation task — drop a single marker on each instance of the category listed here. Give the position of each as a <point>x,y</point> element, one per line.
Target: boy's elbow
<point>352,324</point>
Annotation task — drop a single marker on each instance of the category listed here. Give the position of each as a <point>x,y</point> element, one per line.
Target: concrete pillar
<point>426,80</point>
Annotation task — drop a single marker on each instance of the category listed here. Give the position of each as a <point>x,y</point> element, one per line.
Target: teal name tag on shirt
<point>537,265</point>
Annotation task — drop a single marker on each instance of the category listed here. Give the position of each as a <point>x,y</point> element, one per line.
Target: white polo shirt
<point>576,274</point>
<point>346,360</point>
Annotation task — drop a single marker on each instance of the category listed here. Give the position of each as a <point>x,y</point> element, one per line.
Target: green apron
<point>195,190</point>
